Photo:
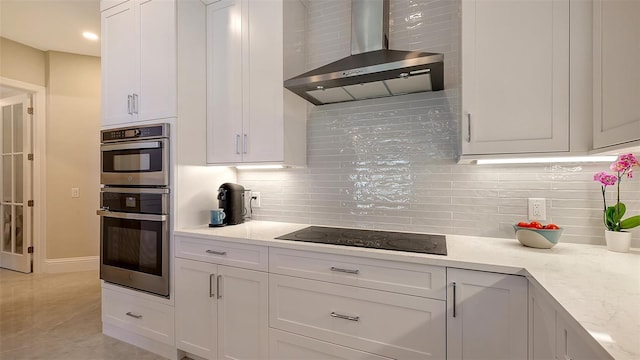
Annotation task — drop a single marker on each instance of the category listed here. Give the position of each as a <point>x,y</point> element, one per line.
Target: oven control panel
<point>134,133</point>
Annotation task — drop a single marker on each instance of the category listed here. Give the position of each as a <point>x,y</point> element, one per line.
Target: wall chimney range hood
<point>372,70</point>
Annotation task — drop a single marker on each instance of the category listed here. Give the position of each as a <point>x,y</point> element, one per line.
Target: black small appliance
<point>231,200</point>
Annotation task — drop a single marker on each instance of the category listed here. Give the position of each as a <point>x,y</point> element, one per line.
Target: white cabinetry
<point>486,315</point>
<point>138,61</point>
<point>353,304</point>
<point>287,346</point>
<point>221,311</point>
<point>251,118</point>
<point>140,319</point>
<point>556,335</point>
<point>515,76</point>
<point>616,86</point>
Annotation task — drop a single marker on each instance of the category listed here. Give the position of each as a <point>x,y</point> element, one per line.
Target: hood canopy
<point>372,70</point>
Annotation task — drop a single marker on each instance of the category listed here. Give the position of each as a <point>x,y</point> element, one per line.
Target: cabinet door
<point>486,315</point>
<point>119,48</point>
<point>156,96</point>
<point>515,76</point>
<point>264,118</point>
<point>575,343</point>
<point>225,27</point>
<point>616,85</point>
<point>196,313</point>
<point>542,325</point>
<point>243,321</point>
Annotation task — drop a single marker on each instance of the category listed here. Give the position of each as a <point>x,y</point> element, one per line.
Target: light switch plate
<point>75,192</point>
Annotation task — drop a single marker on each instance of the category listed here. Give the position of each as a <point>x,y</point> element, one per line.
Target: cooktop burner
<point>387,240</point>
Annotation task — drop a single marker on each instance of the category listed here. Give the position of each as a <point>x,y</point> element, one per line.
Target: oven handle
<point>132,216</point>
<point>131,146</point>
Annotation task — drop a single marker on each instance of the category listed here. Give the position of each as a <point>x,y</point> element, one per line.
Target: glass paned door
<point>15,183</point>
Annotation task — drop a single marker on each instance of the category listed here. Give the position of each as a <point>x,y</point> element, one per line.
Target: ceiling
<point>52,24</point>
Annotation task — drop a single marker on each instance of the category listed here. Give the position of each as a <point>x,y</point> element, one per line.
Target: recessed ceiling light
<point>90,35</point>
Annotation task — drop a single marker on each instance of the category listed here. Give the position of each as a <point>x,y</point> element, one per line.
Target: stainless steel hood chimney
<point>372,70</point>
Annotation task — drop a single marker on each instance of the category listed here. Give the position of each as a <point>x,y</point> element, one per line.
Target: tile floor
<point>56,317</point>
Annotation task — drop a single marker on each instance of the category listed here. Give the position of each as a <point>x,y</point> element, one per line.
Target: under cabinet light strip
<point>538,160</point>
<point>258,167</point>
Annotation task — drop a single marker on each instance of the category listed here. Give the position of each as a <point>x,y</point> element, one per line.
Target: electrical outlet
<point>537,209</point>
<point>75,192</point>
<point>255,195</point>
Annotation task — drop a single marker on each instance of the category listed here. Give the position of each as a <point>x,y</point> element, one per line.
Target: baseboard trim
<point>85,263</point>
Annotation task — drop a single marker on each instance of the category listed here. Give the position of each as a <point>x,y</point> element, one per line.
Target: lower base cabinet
<point>221,311</point>
<point>555,335</point>
<point>486,315</point>
<point>387,324</point>
<point>137,319</point>
<point>287,346</point>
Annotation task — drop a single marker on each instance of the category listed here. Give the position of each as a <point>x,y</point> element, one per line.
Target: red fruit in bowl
<point>523,224</point>
<point>535,225</point>
<point>551,227</point>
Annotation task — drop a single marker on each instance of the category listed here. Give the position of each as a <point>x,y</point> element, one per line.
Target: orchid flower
<point>622,167</point>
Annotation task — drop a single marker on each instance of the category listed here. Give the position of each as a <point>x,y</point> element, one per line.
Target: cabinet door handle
<point>129,98</point>
<point>222,253</point>
<point>219,280</point>
<point>348,271</point>
<point>346,317</point>
<point>134,315</point>
<point>454,299</point>
<point>237,141</point>
<point>244,143</point>
<point>468,127</point>
<point>135,103</point>
<point>211,279</point>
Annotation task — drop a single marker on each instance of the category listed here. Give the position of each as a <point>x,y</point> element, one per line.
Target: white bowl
<point>537,238</point>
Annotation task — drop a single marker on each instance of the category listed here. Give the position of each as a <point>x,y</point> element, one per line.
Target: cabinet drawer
<point>246,256</point>
<point>389,324</point>
<point>288,346</point>
<point>147,318</point>
<point>395,276</point>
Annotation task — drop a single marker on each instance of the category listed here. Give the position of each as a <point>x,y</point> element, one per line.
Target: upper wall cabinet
<point>252,46</point>
<point>138,60</point>
<point>515,76</point>
<point>616,86</point>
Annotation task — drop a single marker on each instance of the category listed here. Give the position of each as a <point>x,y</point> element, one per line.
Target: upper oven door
<point>135,163</point>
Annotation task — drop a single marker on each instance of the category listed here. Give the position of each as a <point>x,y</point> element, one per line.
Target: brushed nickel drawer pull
<point>218,281</point>
<point>348,271</point>
<point>216,252</point>
<point>454,299</point>
<point>211,279</point>
<point>137,316</point>
<point>346,317</point>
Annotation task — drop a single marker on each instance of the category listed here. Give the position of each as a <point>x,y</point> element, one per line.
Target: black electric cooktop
<point>387,240</point>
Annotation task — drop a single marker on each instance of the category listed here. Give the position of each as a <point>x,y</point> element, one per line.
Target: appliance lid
<point>372,70</point>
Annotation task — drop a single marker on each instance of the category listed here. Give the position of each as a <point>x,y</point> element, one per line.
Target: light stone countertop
<point>597,287</point>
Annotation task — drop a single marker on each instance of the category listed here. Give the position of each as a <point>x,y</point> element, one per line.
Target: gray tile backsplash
<point>390,163</point>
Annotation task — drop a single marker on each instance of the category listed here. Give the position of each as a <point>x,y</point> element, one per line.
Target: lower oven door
<point>134,251</point>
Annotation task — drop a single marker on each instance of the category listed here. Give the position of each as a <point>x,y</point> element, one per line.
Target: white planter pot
<point>618,241</point>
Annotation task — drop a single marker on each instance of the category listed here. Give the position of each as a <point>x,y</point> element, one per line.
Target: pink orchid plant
<point>623,167</point>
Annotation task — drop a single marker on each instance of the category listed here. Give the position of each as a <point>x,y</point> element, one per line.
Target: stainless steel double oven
<point>135,208</point>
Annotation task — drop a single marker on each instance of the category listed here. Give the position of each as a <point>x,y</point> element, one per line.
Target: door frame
<point>39,168</point>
